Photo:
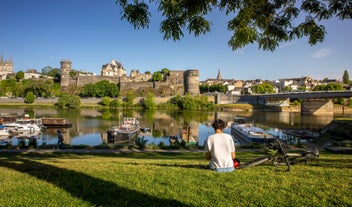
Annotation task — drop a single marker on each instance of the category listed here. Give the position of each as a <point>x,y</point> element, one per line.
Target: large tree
<point>265,22</point>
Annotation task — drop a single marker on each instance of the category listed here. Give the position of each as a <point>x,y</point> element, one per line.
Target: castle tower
<point>191,78</point>
<point>65,71</point>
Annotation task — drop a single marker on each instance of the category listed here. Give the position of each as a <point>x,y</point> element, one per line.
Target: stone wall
<point>177,83</point>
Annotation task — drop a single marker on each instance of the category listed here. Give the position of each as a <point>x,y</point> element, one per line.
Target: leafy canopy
<point>265,22</point>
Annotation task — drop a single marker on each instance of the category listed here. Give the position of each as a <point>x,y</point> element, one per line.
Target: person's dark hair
<point>219,124</point>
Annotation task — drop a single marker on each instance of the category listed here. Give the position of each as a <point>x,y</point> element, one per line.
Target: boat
<point>245,132</point>
<point>124,132</point>
<point>56,123</point>
<point>24,126</point>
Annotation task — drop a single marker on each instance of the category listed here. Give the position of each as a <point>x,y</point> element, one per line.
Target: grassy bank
<point>168,179</point>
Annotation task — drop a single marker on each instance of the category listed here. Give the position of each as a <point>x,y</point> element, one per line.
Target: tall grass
<point>168,179</point>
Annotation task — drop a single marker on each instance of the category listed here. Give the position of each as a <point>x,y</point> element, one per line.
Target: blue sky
<point>40,33</point>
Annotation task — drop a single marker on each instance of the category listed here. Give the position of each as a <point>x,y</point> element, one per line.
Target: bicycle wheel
<point>256,161</point>
<point>280,162</point>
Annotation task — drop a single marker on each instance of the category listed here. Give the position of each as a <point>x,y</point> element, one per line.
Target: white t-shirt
<point>220,146</point>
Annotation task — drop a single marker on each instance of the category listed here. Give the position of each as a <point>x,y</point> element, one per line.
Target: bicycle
<point>278,155</point>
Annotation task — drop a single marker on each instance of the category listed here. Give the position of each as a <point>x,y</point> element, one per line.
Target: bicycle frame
<point>280,156</point>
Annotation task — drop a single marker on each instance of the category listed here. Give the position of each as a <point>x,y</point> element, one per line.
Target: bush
<point>115,103</point>
<point>68,101</point>
<point>29,97</point>
<point>105,101</point>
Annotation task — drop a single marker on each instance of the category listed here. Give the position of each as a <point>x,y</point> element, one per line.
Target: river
<point>89,126</point>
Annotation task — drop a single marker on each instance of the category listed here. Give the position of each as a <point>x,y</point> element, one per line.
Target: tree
<point>157,76</point>
<point>165,71</point>
<point>29,97</point>
<point>345,77</point>
<point>19,75</point>
<point>265,22</point>
<point>265,87</point>
<point>53,72</point>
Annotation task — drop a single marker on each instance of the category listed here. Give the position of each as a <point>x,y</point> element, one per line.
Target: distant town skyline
<point>40,33</point>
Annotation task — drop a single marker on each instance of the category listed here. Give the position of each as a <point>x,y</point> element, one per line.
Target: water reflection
<point>89,126</point>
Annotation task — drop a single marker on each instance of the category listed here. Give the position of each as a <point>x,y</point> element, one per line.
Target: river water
<point>89,126</point>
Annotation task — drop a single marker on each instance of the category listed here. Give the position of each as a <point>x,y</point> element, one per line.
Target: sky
<point>90,33</point>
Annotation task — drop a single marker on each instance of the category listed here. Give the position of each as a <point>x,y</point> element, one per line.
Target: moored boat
<point>56,123</point>
<point>124,132</point>
<point>26,126</point>
<point>246,132</point>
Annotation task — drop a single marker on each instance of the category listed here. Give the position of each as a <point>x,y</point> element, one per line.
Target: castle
<point>6,67</point>
<point>178,82</point>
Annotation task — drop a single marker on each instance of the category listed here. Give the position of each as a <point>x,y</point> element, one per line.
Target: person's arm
<point>207,156</point>
<point>233,154</point>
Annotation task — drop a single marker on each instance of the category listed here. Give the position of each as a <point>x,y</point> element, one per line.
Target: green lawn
<point>168,179</point>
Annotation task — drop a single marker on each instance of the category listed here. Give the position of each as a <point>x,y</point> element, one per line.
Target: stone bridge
<point>317,102</point>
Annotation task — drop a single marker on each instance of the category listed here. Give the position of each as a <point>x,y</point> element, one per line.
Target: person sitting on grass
<point>220,149</point>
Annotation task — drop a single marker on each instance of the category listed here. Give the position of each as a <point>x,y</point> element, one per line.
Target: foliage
<point>267,23</point>
<point>345,77</point>
<point>165,71</point>
<point>129,98</point>
<point>40,87</point>
<point>288,89</point>
<point>55,73</point>
<point>205,88</point>
<point>100,89</point>
<point>149,102</point>
<point>262,88</point>
<point>68,101</point>
<point>19,75</point>
<point>8,86</point>
<point>189,102</point>
<point>105,101</point>
<point>157,76</point>
<point>29,97</point>
<point>328,87</point>
<point>115,103</point>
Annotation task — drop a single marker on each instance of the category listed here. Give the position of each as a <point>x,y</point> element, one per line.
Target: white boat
<point>246,132</point>
<point>24,126</point>
<point>124,132</point>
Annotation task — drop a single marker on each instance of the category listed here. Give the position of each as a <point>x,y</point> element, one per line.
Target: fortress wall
<point>178,83</point>
<point>83,80</point>
<point>138,88</point>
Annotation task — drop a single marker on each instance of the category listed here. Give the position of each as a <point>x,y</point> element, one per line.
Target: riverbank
<point>96,103</point>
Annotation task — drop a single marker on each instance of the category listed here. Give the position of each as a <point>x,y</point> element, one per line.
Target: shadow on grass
<point>96,191</point>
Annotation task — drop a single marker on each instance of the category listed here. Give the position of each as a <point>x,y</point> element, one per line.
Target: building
<point>6,67</point>
<point>31,73</point>
<point>114,68</point>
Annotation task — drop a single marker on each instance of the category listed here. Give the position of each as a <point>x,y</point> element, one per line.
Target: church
<point>6,67</point>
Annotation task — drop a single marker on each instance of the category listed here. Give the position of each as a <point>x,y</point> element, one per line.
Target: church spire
<point>219,75</point>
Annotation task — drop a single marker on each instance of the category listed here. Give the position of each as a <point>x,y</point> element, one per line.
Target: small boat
<point>124,132</point>
<point>244,131</point>
<point>56,123</point>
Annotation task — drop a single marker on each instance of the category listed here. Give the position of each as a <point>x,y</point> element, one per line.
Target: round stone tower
<point>192,82</point>
<point>65,71</point>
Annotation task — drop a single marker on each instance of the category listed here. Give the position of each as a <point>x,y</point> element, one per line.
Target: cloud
<point>321,53</point>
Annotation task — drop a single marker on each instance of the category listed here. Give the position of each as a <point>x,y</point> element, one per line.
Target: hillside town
<point>116,73</point>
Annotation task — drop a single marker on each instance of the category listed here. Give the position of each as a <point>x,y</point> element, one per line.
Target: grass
<point>168,179</point>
